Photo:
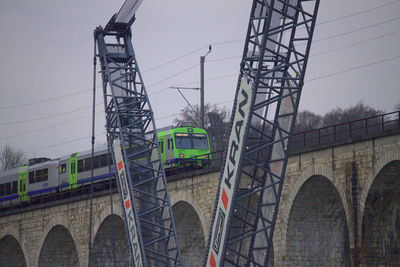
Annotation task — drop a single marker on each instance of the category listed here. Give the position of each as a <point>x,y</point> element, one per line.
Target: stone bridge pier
<point>340,206</point>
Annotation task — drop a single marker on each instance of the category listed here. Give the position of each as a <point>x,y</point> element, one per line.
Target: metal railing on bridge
<point>346,131</point>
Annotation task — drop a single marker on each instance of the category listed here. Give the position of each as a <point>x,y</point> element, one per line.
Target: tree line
<point>217,121</point>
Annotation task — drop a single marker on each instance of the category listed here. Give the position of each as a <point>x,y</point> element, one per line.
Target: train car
<point>9,187</point>
<point>180,147</point>
<point>184,146</point>
<point>41,178</point>
<point>75,170</point>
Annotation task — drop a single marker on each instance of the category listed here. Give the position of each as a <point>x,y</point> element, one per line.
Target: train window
<point>87,164</point>
<point>80,166</point>
<point>62,168</point>
<point>162,146</point>
<point>8,188</point>
<point>183,141</point>
<point>31,177</point>
<point>15,187</point>
<point>103,160</point>
<point>1,189</point>
<point>96,162</point>
<point>172,144</point>
<point>168,144</point>
<point>38,176</point>
<point>45,173</point>
<point>200,141</point>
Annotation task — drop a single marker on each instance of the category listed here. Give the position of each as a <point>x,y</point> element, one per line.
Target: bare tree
<point>340,115</point>
<point>216,123</point>
<point>307,120</point>
<point>11,157</point>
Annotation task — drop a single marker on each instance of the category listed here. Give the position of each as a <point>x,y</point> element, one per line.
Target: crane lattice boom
<point>267,97</point>
<point>131,135</point>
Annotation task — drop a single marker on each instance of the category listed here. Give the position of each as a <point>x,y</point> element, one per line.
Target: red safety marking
<point>212,260</point>
<point>224,198</point>
<point>127,204</point>
<point>120,165</point>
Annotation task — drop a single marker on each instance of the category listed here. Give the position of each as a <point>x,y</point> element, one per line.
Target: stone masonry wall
<point>349,170</point>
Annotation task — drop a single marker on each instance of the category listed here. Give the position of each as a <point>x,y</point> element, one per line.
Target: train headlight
<point>181,155</point>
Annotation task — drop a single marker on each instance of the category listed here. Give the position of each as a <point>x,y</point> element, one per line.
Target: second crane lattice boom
<point>271,78</point>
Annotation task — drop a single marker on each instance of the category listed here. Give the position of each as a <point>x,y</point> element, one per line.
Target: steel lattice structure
<point>267,97</point>
<point>131,131</point>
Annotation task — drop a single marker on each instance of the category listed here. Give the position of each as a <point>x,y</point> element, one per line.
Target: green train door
<point>22,178</point>
<point>73,170</point>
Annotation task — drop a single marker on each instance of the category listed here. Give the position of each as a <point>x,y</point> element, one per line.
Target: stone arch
<point>61,221</point>
<point>104,213</point>
<point>188,197</point>
<point>11,234</point>
<point>190,234</point>
<point>102,246</point>
<point>291,190</point>
<point>317,231</point>
<point>380,228</point>
<point>380,163</point>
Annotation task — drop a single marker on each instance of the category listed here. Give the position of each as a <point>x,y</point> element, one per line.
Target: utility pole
<point>202,118</point>
<point>202,58</point>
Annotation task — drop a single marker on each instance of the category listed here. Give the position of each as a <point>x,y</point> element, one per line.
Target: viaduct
<point>340,206</point>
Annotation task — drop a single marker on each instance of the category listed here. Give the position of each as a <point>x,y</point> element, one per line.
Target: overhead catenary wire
<point>316,78</point>
<point>64,143</point>
<point>356,30</point>
<point>225,43</point>
<point>308,80</point>
<point>227,58</point>
<point>357,13</point>
<point>44,100</point>
<point>241,40</point>
<point>318,40</point>
<point>46,127</point>
<point>47,117</point>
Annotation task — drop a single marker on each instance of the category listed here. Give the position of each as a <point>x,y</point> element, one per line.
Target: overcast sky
<point>46,65</point>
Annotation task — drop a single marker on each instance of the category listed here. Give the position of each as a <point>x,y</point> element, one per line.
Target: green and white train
<point>184,146</point>
<point>180,147</point>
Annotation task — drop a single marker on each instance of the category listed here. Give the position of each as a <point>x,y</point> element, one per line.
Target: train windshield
<point>200,141</point>
<point>191,141</point>
<point>183,141</point>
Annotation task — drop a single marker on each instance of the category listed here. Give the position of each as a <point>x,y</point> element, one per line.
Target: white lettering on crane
<point>230,174</point>
<point>127,204</point>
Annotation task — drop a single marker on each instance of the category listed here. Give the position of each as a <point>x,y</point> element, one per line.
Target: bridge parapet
<point>347,132</point>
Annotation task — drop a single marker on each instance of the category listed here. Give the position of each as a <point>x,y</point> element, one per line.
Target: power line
<point>216,78</point>
<point>358,13</point>
<point>353,68</point>
<point>44,100</point>
<point>46,117</point>
<point>169,116</point>
<point>318,40</point>
<point>173,75</point>
<point>66,142</point>
<point>241,40</point>
<point>356,30</point>
<point>354,44</point>
<point>175,59</point>
<point>227,101</point>
<point>48,127</point>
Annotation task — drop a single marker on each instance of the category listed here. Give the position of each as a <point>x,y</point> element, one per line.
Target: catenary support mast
<point>131,132</point>
<point>272,73</point>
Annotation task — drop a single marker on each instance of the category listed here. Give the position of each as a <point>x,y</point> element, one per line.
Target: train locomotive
<point>180,147</point>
